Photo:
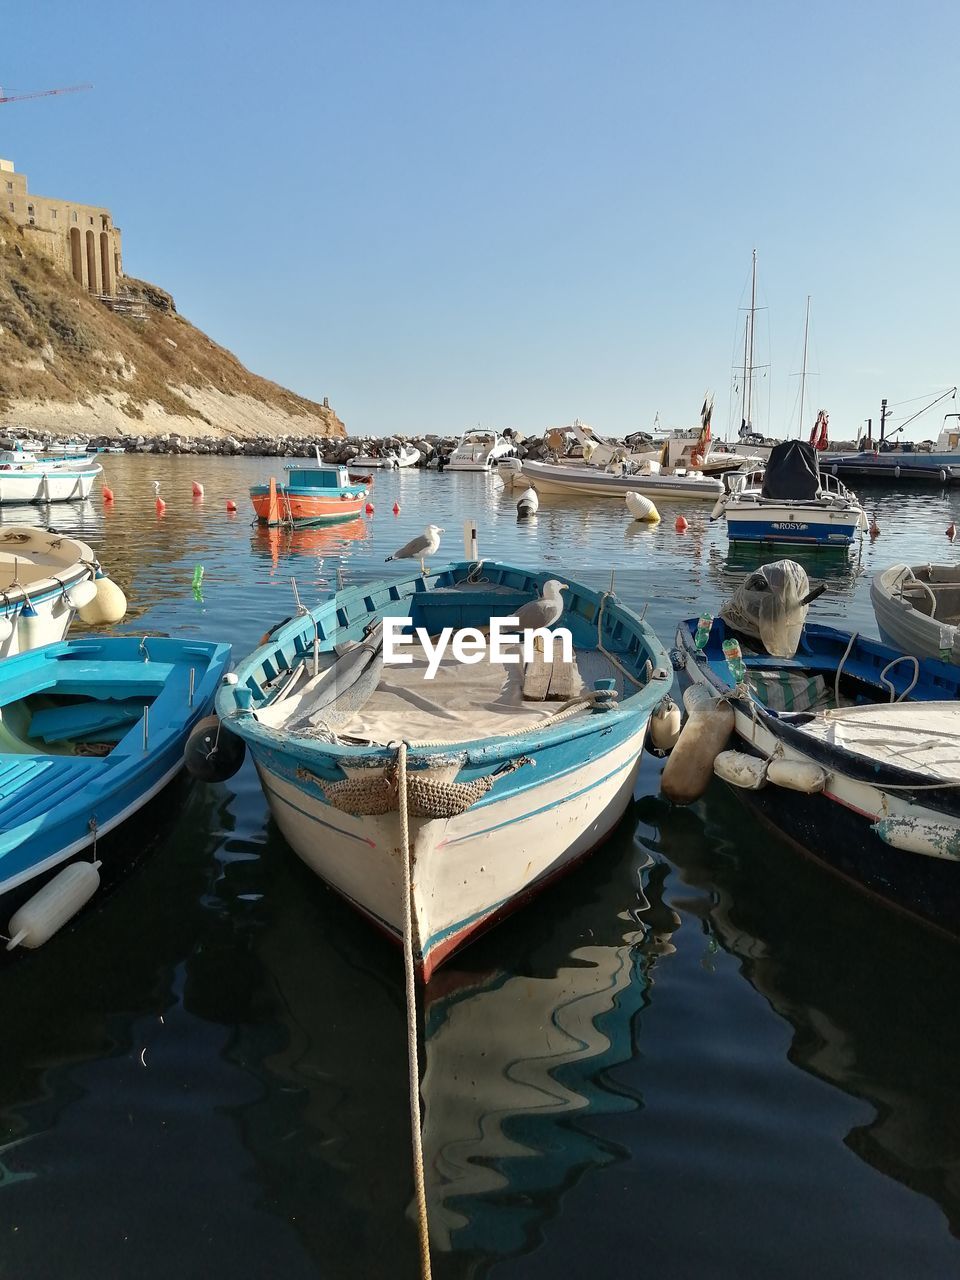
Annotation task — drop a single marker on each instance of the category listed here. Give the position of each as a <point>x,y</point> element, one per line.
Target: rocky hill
<point>68,364</point>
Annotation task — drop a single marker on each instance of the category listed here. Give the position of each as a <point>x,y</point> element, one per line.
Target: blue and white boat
<point>849,750</point>
<point>90,730</point>
<point>512,773</point>
<point>790,502</point>
<point>889,461</point>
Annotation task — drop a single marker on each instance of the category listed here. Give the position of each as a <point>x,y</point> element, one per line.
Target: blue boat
<point>90,730</point>
<point>850,750</point>
<point>506,773</point>
<point>791,502</point>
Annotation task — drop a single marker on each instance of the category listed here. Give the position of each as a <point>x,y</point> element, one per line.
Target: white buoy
<point>797,775</point>
<point>52,906</point>
<point>740,770</point>
<point>108,605</point>
<point>918,835</point>
<point>690,767</point>
<point>528,504</point>
<point>665,725</point>
<point>641,508</point>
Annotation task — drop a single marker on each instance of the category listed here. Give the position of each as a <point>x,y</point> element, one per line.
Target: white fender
<point>740,770</point>
<point>796,775</point>
<point>690,767</point>
<point>665,725</point>
<point>82,593</point>
<point>918,835</point>
<point>52,906</point>
<point>719,507</point>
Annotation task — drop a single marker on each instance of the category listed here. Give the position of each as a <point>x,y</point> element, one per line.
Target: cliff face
<point>67,363</point>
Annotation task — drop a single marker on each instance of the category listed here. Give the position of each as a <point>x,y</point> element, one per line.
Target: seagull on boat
<point>545,611</point>
<point>427,544</point>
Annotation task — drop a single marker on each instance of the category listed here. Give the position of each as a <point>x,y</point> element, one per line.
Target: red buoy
<point>681,525</point>
<point>231,505</point>
<point>396,508</point>
<point>369,508</point>
<point>161,506</point>
<point>874,528</point>
<point>107,494</point>
<point>197,489</point>
<point>951,531</point>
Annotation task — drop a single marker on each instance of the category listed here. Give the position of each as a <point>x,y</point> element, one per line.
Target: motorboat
<point>319,494</point>
<point>42,482</point>
<point>848,748</point>
<point>479,451</point>
<point>613,482</point>
<point>90,731</point>
<point>888,460</point>
<point>503,773</point>
<point>405,456</point>
<point>917,608</point>
<point>791,502</point>
<point>46,580</point>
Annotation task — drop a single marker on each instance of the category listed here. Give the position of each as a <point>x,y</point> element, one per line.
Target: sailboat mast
<point>749,370</point>
<point>803,367</point>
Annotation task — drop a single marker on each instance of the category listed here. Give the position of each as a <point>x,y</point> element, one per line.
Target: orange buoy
<point>231,505</point>
<point>197,489</point>
<point>369,508</point>
<point>161,506</point>
<point>681,525</point>
<point>107,494</point>
<point>951,531</point>
<point>874,528</point>
<point>396,508</point>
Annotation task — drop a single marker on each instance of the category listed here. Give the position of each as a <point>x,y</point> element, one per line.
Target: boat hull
<point>595,483</point>
<point>59,484</point>
<point>470,870</point>
<point>303,507</point>
<point>792,526</point>
<point>889,468</point>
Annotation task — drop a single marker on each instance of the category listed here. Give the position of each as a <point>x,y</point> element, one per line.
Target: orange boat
<point>311,495</point>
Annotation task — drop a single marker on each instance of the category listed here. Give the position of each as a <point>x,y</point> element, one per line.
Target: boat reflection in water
<point>82,517</point>
<point>515,1059</point>
<point>871,995</point>
<point>310,540</point>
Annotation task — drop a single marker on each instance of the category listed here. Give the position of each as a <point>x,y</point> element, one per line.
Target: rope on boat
<point>411,995</point>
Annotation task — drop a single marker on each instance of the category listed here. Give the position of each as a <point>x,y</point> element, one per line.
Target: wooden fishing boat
<point>28,482</point>
<point>918,609</point>
<point>45,581</point>
<point>318,494</point>
<point>512,773</point>
<point>90,730</point>
<point>850,750</point>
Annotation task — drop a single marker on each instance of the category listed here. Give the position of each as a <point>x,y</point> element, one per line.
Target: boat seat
<point>101,680</point>
<point>31,785</point>
<point>81,719</point>
<point>556,681</point>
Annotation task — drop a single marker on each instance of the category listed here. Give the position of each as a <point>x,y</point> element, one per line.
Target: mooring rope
<point>411,995</point>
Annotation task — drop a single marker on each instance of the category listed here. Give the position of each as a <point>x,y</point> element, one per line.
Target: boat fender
<point>641,508</point>
<point>943,476</point>
<point>213,753</point>
<point>7,625</point>
<point>52,906</point>
<point>896,471</point>
<point>665,726</point>
<point>796,775</point>
<point>81,593</point>
<point>719,507</point>
<point>108,605</point>
<point>833,469</point>
<point>916,835</point>
<point>30,629</point>
<point>709,725</point>
<point>741,770</point>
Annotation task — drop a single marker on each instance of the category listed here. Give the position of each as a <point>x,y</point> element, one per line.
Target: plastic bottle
<point>704,623</point>
<point>734,657</point>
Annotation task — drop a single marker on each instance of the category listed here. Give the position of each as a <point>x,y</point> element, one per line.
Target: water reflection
<point>871,997</point>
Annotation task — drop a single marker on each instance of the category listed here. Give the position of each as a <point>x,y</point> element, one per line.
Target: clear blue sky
<point>518,212</point>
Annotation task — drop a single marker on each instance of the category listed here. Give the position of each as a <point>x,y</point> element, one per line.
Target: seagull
<point>427,544</point>
<point>545,611</point>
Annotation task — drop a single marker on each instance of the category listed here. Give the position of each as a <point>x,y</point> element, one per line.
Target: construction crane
<point>42,93</point>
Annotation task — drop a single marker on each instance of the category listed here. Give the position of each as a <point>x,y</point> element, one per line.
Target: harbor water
<point>696,1054</point>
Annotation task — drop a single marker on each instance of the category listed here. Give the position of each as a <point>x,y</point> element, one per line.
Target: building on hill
<point>79,238</point>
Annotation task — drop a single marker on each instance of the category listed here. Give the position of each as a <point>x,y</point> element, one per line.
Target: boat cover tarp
<point>792,472</point>
<point>922,736</point>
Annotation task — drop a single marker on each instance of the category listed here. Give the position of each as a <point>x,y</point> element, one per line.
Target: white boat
<point>479,451</point>
<point>512,773</point>
<point>918,609</point>
<point>558,477</point>
<point>791,502</point>
<point>45,580</point>
<point>23,459</point>
<point>686,449</point>
<point>405,456</point>
<point>51,484</point>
